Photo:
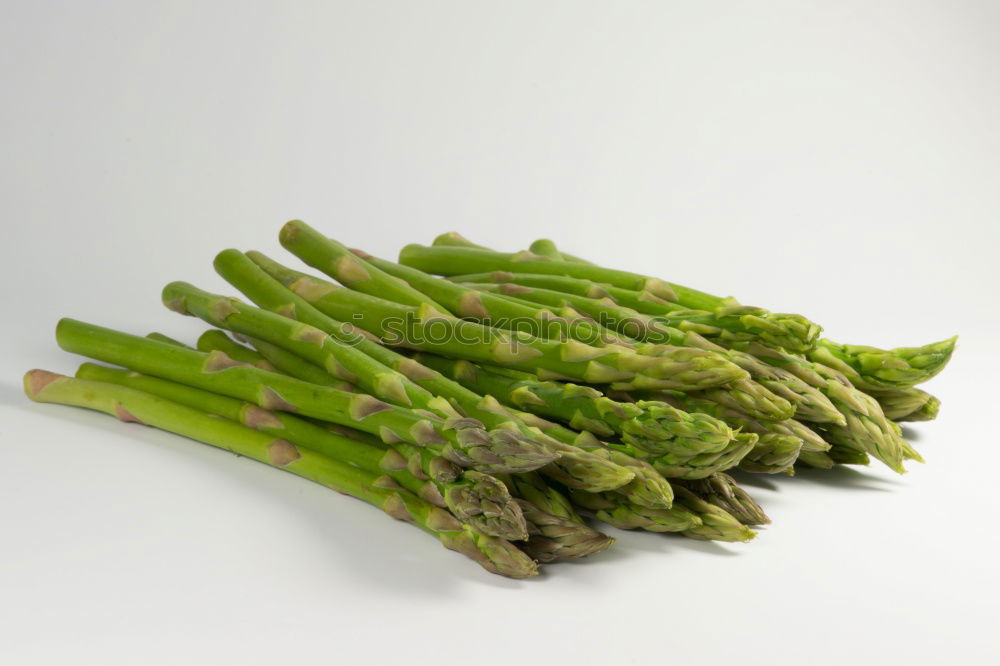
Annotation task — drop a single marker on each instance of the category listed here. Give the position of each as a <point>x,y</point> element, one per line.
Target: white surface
<point>837,159</point>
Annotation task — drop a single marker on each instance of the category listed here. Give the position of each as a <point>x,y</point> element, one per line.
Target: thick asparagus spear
<point>678,466</point>
<point>474,498</point>
<point>464,441</point>
<point>332,258</point>
<point>127,404</point>
<point>650,426</point>
<point>909,404</point>
<point>574,468</point>
<point>721,490</point>
<point>872,369</point>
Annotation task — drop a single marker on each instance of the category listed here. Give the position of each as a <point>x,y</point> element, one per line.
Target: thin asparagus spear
<point>495,555</point>
<point>474,498</point>
<point>458,260</point>
<point>463,441</point>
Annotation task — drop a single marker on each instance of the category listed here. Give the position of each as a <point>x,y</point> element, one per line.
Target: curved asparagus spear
<point>650,426</point>
<point>721,490</point>
<point>427,329</point>
<point>574,468</point>
<point>332,258</point>
<point>464,441</point>
<point>909,404</point>
<point>496,555</point>
<point>458,260</point>
<point>870,368</point>
<point>474,498</point>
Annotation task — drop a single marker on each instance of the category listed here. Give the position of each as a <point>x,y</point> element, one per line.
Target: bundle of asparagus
<point>504,401</point>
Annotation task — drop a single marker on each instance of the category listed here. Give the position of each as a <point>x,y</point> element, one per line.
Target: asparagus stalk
<point>216,339</point>
<point>428,329</point>
<point>463,441</point>
<point>499,312</point>
<point>733,323</point>
<point>160,337</point>
<point>574,468</point>
<point>474,498</point>
<point>130,405</point>
<point>721,490</point>
<point>651,426</point>
<point>458,260</point>
<point>309,342</point>
<point>872,369</point>
<point>795,331</point>
<point>291,364</point>
<point>748,395</point>
<point>909,404</point>
<point>337,261</point>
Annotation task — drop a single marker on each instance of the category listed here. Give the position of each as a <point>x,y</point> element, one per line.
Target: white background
<point>835,159</point>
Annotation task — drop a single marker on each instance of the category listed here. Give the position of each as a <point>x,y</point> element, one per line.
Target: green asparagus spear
<point>500,312</point>
<point>332,258</point>
<point>650,426</point>
<point>870,368</point>
<point>458,260</point>
<point>866,428</point>
<point>553,537</point>
<point>496,555</point>
<point>574,468</point>
<point>427,329</point>
<point>721,490</point>
<point>216,339</point>
<point>909,404</point>
<point>717,524</point>
<point>474,498</point>
<point>616,511</point>
<point>464,441</point>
